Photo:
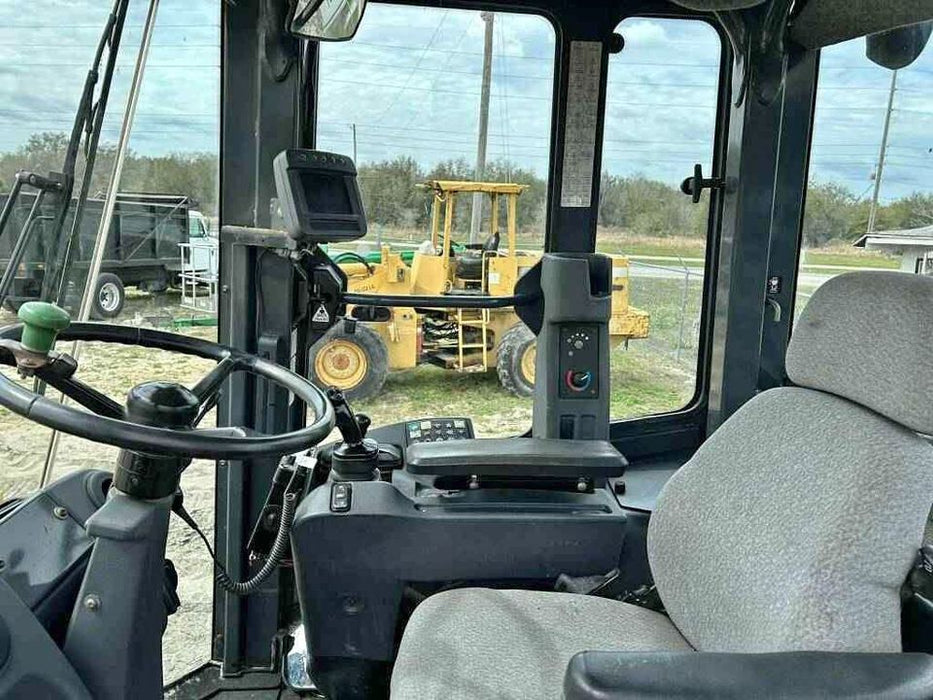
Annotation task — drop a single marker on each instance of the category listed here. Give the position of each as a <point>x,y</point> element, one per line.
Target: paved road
<point>640,269</point>
<point>812,276</point>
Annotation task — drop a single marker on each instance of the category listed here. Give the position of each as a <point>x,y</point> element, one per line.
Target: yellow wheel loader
<point>457,339</point>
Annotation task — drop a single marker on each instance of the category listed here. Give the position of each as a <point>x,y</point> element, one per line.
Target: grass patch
<point>642,384</point>
<point>662,249</point>
<point>647,378</point>
<point>624,243</point>
<point>850,258</point>
<point>675,314</point>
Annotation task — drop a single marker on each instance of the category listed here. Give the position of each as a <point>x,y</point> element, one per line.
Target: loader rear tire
<point>356,363</point>
<point>515,360</point>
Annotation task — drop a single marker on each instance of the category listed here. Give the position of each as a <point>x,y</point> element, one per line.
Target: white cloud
<point>411,83</point>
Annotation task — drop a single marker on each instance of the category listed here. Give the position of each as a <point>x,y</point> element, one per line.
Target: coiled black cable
<point>276,554</point>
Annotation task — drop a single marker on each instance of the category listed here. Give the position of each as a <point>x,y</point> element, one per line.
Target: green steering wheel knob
<point>42,322</point>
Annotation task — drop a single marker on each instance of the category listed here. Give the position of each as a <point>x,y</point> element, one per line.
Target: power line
<point>465,140</point>
<point>539,98</point>
<point>155,45</point>
<point>504,99</point>
<point>70,113</point>
<point>434,80</point>
<point>406,47</point>
<point>445,70</point>
<point>424,52</point>
<point>546,139</point>
<point>98,27</point>
<point>522,148</point>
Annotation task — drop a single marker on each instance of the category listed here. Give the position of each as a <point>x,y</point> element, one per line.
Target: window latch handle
<point>775,307</point>
<point>694,186</point>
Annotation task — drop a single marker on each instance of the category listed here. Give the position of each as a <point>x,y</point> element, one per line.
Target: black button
<point>340,496</point>
<point>567,425</point>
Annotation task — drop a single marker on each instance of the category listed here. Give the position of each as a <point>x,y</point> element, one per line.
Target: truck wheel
<point>356,363</point>
<point>515,362</point>
<point>109,296</point>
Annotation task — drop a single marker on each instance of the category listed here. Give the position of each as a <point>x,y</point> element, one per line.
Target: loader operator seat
<point>470,263</point>
<point>791,528</point>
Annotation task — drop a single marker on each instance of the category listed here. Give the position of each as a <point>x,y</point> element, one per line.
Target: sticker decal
<point>321,315</point>
<point>586,60</point>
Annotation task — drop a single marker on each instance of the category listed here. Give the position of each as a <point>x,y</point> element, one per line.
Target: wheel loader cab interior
<point>750,518</point>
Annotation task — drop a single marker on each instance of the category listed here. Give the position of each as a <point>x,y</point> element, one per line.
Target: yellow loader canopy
<point>443,186</point>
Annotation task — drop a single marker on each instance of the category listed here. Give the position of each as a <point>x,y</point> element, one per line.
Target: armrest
<point>522,457</point>
<point>608,675</point>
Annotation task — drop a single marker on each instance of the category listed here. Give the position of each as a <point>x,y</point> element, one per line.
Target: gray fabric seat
<point>457,636</point>
<point>792,528</point>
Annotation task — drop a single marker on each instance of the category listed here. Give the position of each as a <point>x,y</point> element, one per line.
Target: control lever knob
<point>356,458</point>
<point>349,426</point>
<point>363,421</point>
<point>42,323</point>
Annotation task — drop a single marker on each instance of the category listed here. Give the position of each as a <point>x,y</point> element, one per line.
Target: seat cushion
<point>793,527</point>
<point>479,644</point>
<point>868,337</point>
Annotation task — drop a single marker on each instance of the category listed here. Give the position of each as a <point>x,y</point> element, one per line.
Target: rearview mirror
<point>898,48</point>
<point>326,20</point>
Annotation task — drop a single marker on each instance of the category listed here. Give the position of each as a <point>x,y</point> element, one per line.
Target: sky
<point>45,53</point>
<point>410,82</point>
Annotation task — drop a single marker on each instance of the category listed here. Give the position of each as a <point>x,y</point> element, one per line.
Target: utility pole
<point>479,171</point>
<point>353,129</point>
<point>884,145</point>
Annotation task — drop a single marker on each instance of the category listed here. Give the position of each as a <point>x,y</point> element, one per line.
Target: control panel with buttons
<point>438,430</point>
<point>579,361</point>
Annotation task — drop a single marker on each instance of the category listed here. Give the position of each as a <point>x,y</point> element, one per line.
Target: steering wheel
<point>160,417</point>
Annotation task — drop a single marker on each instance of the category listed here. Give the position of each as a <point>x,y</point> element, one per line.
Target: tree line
<point>191,174</point>
<point>391,196</point>
<point>632,203</point>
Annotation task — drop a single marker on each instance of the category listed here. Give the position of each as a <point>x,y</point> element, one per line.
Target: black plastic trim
<point>607,675</point>
<point>511,457</point>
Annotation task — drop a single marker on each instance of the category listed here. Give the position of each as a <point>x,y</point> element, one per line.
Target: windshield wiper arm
<point>88,124</point>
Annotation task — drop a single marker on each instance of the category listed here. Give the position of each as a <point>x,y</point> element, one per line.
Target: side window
<point>870,198</point>
<point>172,161</point>
<point>660,121</point>
<point>196,227</point>
<point>447,114</point>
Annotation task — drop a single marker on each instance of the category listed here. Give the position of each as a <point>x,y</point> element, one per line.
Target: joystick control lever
<point>356,458</point>
<point>352,427</point>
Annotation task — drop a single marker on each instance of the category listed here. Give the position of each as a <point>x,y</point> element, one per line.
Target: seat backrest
<point>795,524</point>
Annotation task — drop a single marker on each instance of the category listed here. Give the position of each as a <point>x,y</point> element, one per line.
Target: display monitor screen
<point>318,196</point>
<point>326,193</point>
